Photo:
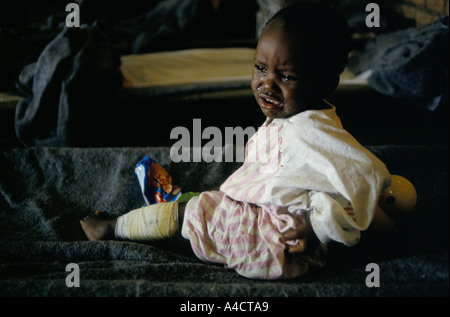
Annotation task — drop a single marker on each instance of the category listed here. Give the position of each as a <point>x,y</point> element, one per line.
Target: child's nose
<point>270,83</point>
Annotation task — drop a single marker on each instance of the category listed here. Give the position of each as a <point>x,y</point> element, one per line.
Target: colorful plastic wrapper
<point>156,183</point>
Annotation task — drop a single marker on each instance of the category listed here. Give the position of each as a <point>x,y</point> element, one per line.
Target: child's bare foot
<point>98,227</point>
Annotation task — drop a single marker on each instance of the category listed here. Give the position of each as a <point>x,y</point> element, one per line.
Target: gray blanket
<point>45,191</point>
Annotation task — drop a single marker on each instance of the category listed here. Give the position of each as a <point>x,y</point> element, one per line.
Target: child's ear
<point>331,84</point>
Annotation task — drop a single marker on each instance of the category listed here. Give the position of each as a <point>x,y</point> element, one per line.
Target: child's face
<point>281,83</point>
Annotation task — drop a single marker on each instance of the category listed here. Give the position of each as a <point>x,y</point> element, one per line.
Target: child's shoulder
<point>326,114</point>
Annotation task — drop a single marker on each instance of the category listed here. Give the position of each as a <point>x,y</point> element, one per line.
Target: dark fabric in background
<point>408,64</point>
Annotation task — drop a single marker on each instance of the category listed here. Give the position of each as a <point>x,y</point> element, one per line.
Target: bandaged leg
<point>152,222</point>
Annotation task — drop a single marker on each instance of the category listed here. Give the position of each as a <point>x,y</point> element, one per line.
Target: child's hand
<point>307,239</point>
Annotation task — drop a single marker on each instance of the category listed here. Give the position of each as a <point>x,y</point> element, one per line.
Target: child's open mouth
<point>270,102</point>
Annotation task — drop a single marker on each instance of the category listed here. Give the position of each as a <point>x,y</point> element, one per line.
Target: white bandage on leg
<point>152,222</point>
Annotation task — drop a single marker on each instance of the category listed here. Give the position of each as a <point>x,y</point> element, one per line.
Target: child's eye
<point>260,69</point>
<point>286,78</point>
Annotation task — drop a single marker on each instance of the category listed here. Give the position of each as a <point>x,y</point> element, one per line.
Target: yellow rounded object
<point>381,221</point>
<point>399,198</point>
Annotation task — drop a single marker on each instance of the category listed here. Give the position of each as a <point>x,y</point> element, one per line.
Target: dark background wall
<point>27,26</point>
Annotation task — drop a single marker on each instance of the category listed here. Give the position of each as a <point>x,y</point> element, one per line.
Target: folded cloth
<point>410,64</point>
<point>72,83</point>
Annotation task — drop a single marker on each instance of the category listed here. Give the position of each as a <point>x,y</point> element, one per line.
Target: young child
<point>305,181</point>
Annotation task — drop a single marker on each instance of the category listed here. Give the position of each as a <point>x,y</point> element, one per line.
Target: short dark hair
<point>331,32</point>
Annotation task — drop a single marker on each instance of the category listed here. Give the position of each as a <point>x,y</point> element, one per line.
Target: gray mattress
<point>45,191</point>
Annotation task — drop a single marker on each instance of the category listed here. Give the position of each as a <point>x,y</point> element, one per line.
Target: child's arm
<point>307,239</point>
